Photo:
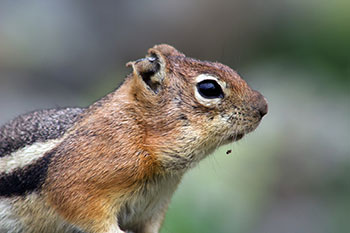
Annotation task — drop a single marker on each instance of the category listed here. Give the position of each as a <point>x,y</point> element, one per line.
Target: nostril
<point>259,103</point>
<point>263,107</point>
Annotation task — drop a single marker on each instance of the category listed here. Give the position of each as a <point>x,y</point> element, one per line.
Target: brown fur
<point>129,150</point>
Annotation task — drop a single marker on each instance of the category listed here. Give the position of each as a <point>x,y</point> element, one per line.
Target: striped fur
<point>26,155</point>
<point>37,126</point>
<point>25,143</point>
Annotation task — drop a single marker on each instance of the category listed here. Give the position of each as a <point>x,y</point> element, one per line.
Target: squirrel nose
<point>261,104</point>
<point>263,107</point>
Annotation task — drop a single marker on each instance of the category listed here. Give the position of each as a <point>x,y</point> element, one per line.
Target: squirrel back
<point>114,166</point>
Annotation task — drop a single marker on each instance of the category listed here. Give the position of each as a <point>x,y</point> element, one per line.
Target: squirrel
<point>114,165</point>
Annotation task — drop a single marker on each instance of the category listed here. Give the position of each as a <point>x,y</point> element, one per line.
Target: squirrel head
<point>197,105</point>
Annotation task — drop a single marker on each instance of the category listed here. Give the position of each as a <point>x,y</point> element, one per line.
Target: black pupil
<point>210,89</point>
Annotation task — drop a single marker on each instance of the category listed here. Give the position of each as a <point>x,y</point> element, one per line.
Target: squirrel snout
<point>261,104</point>
<point>263,107</point>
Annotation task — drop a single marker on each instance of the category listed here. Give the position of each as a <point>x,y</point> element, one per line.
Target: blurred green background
<point>291,175</point>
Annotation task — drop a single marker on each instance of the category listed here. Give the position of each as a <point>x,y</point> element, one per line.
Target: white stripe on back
<point>26,155</point>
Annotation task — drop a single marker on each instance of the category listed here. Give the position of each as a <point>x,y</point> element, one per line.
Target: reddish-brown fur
<point>134,136</point>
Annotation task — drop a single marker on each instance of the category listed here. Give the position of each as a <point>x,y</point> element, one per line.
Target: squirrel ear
<point>166,50</point>
<point>150,69</point>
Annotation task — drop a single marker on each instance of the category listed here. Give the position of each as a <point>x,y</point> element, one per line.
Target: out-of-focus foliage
<point>291,175</point>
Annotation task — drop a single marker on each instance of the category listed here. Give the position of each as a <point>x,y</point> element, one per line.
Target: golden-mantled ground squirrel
<point>113,167</point>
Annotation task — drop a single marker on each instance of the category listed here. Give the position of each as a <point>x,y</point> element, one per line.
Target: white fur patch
<point>26,155</point>
<point>115,229</point>
<point>9,222</point>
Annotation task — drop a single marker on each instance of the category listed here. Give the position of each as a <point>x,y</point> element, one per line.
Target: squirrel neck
<point>151,136</point>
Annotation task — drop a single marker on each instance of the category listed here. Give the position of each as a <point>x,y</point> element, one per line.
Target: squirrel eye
<point>210,89</point>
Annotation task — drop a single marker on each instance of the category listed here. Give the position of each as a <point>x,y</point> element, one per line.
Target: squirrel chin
<point>232,138</point>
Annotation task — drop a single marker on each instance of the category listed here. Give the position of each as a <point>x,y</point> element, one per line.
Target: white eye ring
<point>208,102</point>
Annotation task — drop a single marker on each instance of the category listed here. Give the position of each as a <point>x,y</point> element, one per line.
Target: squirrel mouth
<point>236,137</point>
<point>233,138</point>
<point>239,136</point>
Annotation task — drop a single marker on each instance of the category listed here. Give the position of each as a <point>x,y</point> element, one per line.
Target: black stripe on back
<point>27,179</point>
<point>37,126</point>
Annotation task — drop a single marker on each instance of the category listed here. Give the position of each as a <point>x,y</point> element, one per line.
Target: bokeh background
<point>291,175</point>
